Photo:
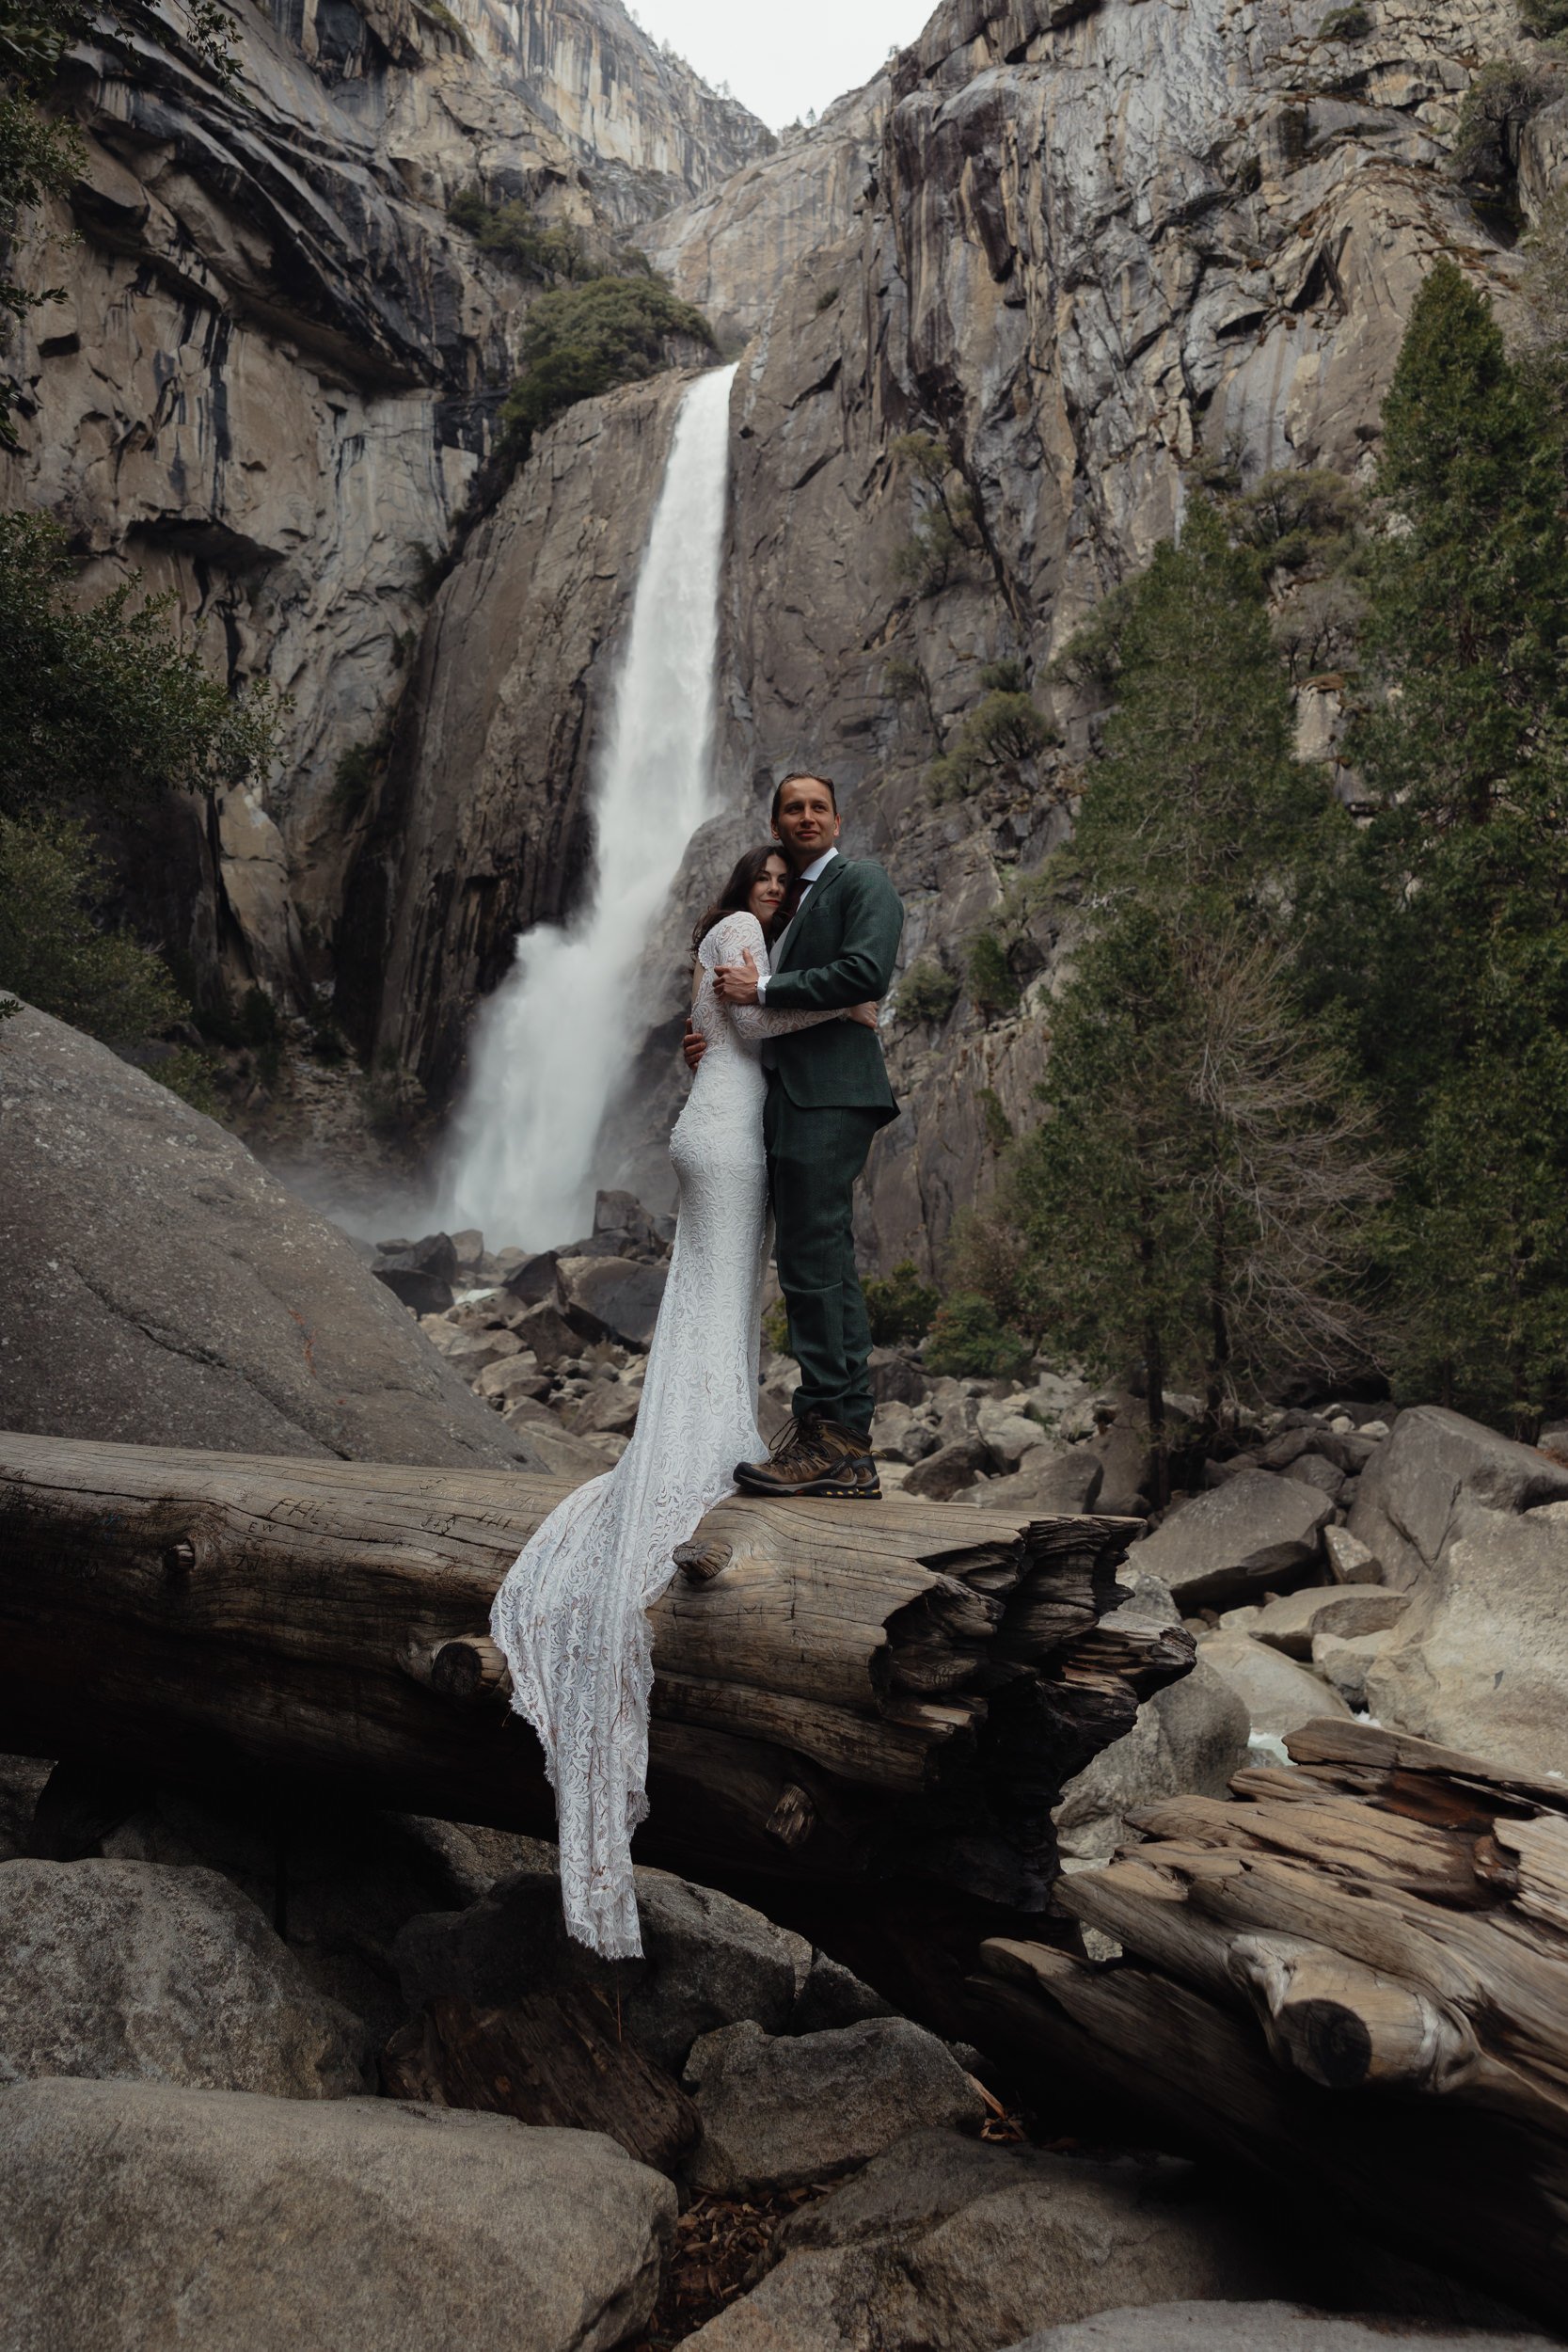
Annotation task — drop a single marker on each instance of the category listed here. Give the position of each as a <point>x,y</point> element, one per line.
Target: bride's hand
<point>865,1014</point>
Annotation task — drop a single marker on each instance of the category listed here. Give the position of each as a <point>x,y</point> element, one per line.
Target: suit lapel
<point>789,946</point>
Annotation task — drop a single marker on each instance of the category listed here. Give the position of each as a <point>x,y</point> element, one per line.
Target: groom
<point>828,1094</point>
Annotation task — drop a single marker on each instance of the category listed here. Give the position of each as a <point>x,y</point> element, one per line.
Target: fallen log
<point>842,1693</point>
<point>1353,1974</point>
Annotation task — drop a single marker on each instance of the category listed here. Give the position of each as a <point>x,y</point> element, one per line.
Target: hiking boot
<point>826,1460</point>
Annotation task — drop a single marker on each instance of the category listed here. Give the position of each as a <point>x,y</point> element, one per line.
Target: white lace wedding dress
<point>571,1615</point>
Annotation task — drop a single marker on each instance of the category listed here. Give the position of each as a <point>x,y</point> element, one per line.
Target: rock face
<point>953,2244</point>
<point>1480,1659</point>
<point>277,365</point>
<point>733,250</point>
<point>126,1972</point>
<point>1433,1460</point>
<point>781,2113</point>
<point>167,1291</point>
<point>259,2225</point>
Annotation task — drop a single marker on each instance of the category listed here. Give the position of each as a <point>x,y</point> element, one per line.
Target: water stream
<point>558,1038</point>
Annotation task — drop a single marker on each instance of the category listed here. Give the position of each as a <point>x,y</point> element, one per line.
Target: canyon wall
<point>1099,249</point>
<point>275,368</point>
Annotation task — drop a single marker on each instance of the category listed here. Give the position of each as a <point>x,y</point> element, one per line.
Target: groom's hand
<point>736,983</point>
<point>693,1045</point>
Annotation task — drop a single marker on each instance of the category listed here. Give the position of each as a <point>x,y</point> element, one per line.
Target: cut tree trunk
<point>844,1691</point>
<point>1355,1974</point>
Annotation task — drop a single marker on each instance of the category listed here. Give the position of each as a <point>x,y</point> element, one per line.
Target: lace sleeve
<point>729,941</point>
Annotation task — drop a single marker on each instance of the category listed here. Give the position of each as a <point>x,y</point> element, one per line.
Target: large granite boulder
<point>1253,1532</point>
<point>165,1290</point>
<point>1432,1461</point>
<point>708,1961</point>
<point>1480,1659</point>
<point>130,1971</point>
<point>613,1298</point>
<point>1279,1696</point>
<point>1263,2328</point>
<point>958,2245</point>
<point>781,2113</point>
<point>135,2215</point>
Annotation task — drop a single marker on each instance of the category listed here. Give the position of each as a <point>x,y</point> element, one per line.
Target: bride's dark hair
<point>736,897</point>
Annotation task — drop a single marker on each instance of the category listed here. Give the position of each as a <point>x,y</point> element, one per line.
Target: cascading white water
<point>559,1035</point>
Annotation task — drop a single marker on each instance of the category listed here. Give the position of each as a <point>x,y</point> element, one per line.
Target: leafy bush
<point>990,977</point>
<point>945,533</point>
<point>581,341</point>
<point>998,1126</point>
<point>928,993</point>
<point>53,951</point>
<point>997,739</point>
<point>901,1306</point>
<point>1499,101</point>
<point>968,1342</point>
<point>1298,521</point>
<point>1352,23</point>
<point>1007,677</point>
<point>353,777</point>
<point>1544,19</point>
<point>547,253</point>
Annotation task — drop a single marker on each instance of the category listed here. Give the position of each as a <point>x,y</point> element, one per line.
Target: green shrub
<point>967,1342</point>
<point>1352,23</point>
<point>998,1126</point>
<point>899,1305</point>
<point>928,993</point>
<point>826,299</point>
<point>1544,19</point>
<point>999,737</point>
<point>510,230</point>
<point>990,977</point>
<point>1498,104</point>
<point>54,951</point>
<point>1007,677</point>
<point>353,777</point>
<point>581,341</point>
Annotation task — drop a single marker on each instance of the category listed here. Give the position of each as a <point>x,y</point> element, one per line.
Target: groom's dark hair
<point>802,775</point>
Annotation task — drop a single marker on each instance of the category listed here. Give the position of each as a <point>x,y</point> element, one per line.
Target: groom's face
<point>807,821</point>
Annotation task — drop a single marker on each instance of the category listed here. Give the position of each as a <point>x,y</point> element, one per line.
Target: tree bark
<point>855,1693</point>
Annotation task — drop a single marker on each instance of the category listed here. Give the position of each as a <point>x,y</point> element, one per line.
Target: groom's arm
<point>862,968</point>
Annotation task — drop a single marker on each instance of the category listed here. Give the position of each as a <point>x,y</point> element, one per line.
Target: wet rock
<point>129,1971</point>
<point>194,1301</point>
<point>1432,1462</point>
<point>779,2112</point>
<point>1480,1659</point>
<point>421,1294</point>
<point>1252,1533</point>
<point>137,2215</point>
<point>534,1279</point>
<point>708,1961</point>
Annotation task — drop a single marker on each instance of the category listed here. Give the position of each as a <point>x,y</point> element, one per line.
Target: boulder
<point>21,1784</point>
<point>1009,1432</point>
<point>1317,1470</point>
<point>512,1377</point>
<point>193,1301</point>
<point>470,1353</point>
<point>1480,1659</point>
<point>1293,1622</point>
<point>534,1279</point>
<point>1344,1661</point>
<point>544,1332</point>
<point>613,1298</point>
<point>628,1229</point>
<point>1050,1479</point>
<point>139,2215</point>
<point>1124,1461</point>
<point>832,1996</point>
<point>1417,1480</point>
<point>1349,1559</point>
<point>778,2113</point>
<point>608,1409</point>
<point>958,2245</point>
<point>895,1379</point>
<point>435,1255</point>
<point>1253,1532</point>
<point>127,1971</point>
<point>558,1454</point>
<point>1279,1696</point>
<point>707,1961</point>
<point>1189,1740</point>
<point>421,1294</point>
<point>1263,2328</point>
<point>950,1470</point>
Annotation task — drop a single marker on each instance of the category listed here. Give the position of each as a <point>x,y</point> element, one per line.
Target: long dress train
<point>572,1614</point>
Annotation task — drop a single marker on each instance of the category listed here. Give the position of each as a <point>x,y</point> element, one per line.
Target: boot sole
<point>820,1490</point>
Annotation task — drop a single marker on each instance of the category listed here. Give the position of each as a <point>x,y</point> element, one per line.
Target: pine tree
<point>1467,742</point>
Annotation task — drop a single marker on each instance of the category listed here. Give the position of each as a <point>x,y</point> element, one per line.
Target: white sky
<point>780,60</point>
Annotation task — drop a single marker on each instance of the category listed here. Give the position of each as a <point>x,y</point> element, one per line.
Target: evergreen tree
<point>1467,742</point>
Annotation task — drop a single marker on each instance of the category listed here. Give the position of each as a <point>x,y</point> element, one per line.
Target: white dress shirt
<point>814,872</point>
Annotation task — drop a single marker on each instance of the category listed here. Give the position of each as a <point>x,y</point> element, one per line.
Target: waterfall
<point>558,1036</point>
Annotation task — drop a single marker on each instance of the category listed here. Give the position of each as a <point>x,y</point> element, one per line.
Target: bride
<point>571,1615</point>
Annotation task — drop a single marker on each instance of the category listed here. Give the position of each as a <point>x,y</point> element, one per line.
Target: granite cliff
<point>274,372</point>
<point>1088,252</point>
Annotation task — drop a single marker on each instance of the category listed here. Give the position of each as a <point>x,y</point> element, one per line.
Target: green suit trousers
<point>814,1158</point>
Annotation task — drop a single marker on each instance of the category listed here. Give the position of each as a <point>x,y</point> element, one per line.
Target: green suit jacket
<point>840,950</point>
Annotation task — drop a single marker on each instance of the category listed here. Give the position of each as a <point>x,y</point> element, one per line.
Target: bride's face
<point>768,891</point>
